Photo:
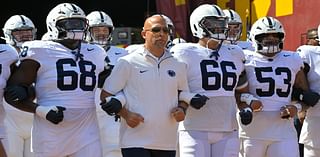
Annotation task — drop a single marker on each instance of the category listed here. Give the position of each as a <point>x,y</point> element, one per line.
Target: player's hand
<point>112,106</point>
<point>133,119</point>
<point>198,101</point>
<point>246,115</point>
<point>288,111</point>
<point>256,105</point>
<point>54,114</point>
<point>16,93</point>
<point>178,113</point>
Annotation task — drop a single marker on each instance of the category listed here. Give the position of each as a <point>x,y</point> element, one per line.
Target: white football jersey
<point>71,71</point>
<point>311,56</point>
<point>109,128</point>
<point>114,53</point>
<point>9,56</point>
<point>310,130</point>
<point>245,45</point>
<point>216,79</point>
<point>271,81</point>
<point>133,47</point>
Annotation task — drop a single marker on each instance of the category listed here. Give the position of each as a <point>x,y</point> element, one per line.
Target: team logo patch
<point>171,73</point>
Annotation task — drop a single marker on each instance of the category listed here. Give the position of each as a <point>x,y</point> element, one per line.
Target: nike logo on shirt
<point>142,71</point>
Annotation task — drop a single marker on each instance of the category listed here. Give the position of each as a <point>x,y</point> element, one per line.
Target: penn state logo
<point>171,73</point>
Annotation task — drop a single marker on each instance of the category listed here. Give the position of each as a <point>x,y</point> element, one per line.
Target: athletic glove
<point>54,114</point>
<point>198,101</point>
<point>246,115</point>
<point>310,98</point>
<point>16,93</point>
<point>112,106</point>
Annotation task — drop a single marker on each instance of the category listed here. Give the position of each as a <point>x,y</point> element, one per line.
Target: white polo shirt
<point>150,86</point>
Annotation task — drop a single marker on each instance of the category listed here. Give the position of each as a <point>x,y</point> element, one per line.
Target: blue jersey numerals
<point>220,80</point>
<point>279,71</point>
<point>87,73</point>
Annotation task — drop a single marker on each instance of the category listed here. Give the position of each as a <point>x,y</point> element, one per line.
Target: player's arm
<point>243,97</point>
<point>114,105</point>
<point>19,92</point>
<point>301,91</point>
<point>2,150</point>
<point>246,102</point>
<point>105,73</point>
<point>300,87</point>
<point>19,86</point>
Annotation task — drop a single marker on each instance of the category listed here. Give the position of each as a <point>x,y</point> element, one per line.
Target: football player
<point>216,70</point>
<point>8,59</point>
<point>99,32</point>
<point>17,30</point>
<point>273,72</point>
<point>65,71</point>
<point>235,30</point>
<point>310,129</point>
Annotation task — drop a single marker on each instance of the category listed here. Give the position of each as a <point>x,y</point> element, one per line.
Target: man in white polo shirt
<point>152,82</point>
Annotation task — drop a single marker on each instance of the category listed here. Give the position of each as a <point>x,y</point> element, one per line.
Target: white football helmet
<point>18,23</point>
<point>46,36</point>
<point>209,21</point>
<point>178,40</point>
<point>260,29</point>
<point>99,19</point>
<point>233,19</point>
<point>170,26</point>
<point>67,21</point>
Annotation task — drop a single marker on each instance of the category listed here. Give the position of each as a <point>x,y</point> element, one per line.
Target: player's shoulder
<point>233,50</point>
<point>307,49</point>
<point>289,54</point>
<point>9,51</point>
<point>245,45</point>
<point>89,47</point>
<point>184,48</point>
<point>134,48</point>
<point>117,51</point>
<point>36,44</point>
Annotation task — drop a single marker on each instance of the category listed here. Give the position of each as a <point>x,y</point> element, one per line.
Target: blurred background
<point>297,16</point>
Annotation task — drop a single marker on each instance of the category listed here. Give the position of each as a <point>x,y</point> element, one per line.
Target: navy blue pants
<point>141,152</point>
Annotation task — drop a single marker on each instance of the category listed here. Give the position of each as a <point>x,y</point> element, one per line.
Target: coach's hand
<point>132,119</point>
<point>53,114</point>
